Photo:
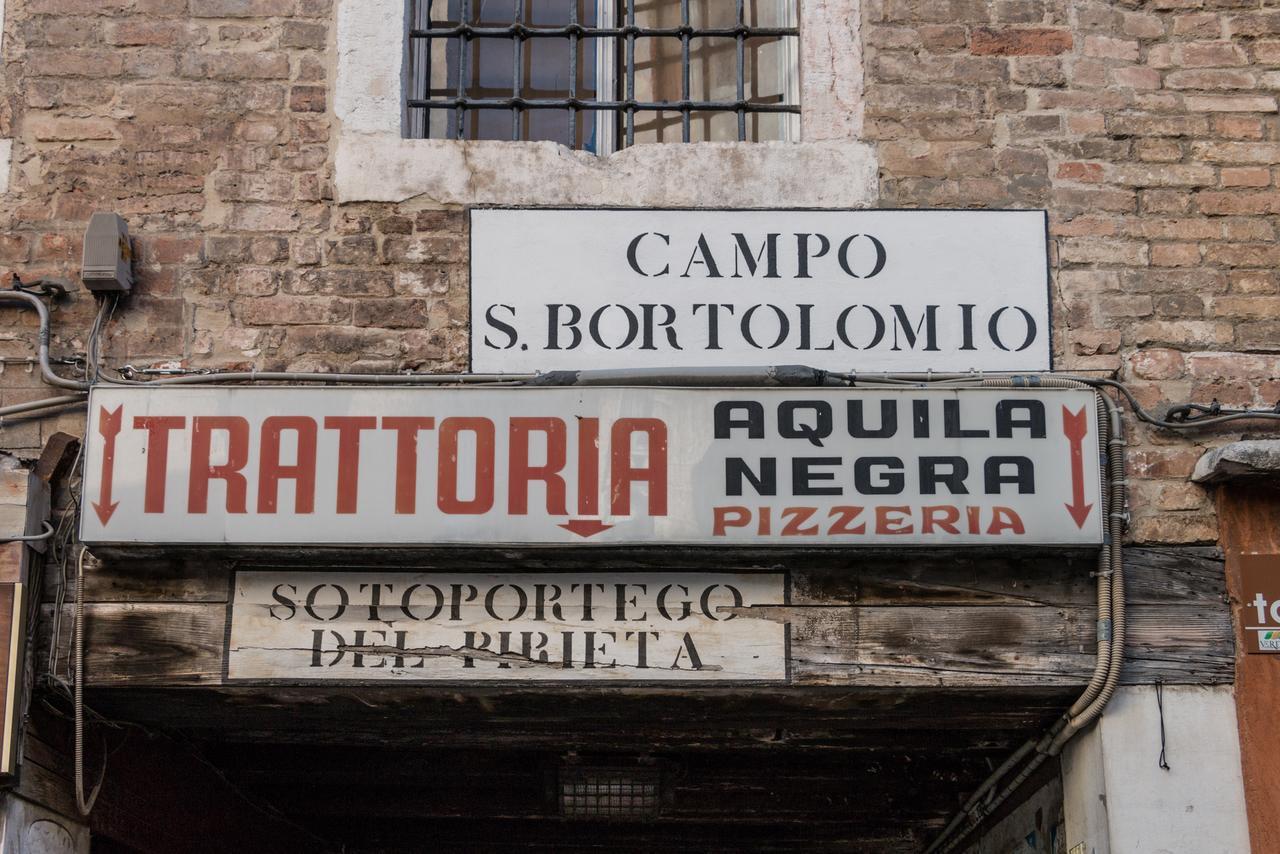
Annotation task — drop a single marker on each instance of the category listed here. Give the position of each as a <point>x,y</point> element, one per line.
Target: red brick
<point>1210,78</point>
<point>307,99</point>
<point>286,310</point>
<point>1246,176</point>
<point>73,63</point>
<point>1012,41</point>
<point>1158,364</point>
<point>134,31</point>
<point>304,35</point>
<point>1175,254</point>
<point>242,8</point>
<point>1238,202</point>
<point>235,66</point>
<point>1105,47</point>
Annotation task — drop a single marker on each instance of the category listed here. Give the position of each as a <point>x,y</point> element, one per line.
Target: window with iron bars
<point>599,75</point>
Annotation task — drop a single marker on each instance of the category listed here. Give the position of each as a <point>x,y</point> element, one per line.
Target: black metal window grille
<point>600,74</point>
<point>609,792</point>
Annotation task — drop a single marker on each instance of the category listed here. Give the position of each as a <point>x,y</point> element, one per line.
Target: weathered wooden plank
<point>182,644</point>
<point>1155,575</point>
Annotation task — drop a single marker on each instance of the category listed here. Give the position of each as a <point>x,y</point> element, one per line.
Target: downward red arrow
<point>585,527</point>
<point>109,427</point>
<point>1075,426</point>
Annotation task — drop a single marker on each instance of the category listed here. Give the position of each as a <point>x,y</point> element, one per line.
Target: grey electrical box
<point>107,264</point>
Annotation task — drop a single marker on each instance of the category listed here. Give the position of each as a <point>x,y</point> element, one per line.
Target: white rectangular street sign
<point>371,625</point>
<point>864,290</point>
<point>594,465</point>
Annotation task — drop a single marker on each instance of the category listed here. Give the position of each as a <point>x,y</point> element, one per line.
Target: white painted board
<point>374,626</point>
<point>485,466</point>
<point>862,290</point>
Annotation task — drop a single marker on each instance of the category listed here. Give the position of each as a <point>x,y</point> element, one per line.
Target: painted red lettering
<point>407,430</point>
<point>796,517</point>
<point>521,473</point>
<point>1005,519</point>
<point>943,517</point>
<point>202,470</point>
<point>588,466</point>
<point>724,518</point>
<point>844,519</point>
<point>302,471</point>
<point>893,520</point>
<point>447,496</point>
<point>653,473</point>
<point>349,428</point>
<point>157,427</point>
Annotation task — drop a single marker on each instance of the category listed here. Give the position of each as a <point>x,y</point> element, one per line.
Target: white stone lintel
<point>379,167</point>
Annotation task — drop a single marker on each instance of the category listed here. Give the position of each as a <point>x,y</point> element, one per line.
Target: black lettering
<point>505,328</point>
<point>957,469</point>
<point>1024,475</point>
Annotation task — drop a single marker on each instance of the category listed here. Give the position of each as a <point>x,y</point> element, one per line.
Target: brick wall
<point>1149,131</point>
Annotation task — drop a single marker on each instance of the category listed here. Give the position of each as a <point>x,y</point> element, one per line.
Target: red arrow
<point>1075,426</point>
<point>585,527</point>
<point>109,427</point>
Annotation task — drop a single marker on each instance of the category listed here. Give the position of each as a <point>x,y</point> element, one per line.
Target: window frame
<point>433,104</point>
<point>827,166</point>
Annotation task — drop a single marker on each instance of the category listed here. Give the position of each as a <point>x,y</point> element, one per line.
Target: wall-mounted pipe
<point>42,347</point>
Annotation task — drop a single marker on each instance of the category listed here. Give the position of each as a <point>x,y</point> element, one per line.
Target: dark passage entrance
<point>876,771</point>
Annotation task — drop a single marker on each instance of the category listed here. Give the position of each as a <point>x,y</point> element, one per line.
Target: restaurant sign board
<point>593,465</point>
<point>864,290</point>
<point>369,625</point>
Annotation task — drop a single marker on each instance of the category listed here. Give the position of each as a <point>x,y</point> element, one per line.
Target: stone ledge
<point>385,168</point>
<point>1255,459</point>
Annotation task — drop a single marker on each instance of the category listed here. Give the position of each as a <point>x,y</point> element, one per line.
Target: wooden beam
<point>921,624</point>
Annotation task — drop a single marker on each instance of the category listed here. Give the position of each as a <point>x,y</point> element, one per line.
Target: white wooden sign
<point>866,290</point>
<point>477,466</point>
<point>370,625</point>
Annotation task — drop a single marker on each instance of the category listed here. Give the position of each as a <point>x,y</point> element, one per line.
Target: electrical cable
<point>31,538</point>
<point>85,806</point>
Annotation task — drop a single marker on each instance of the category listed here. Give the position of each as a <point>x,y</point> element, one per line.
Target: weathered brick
<point>73,63</point>
<point>242,8</point>
<point>1157,363</point>
<point>1210,78</point>
<point>1175,255</point>
<point>235,66</point>
<point>1243,254</point>
<point>307,99</point>
<point>161,33</point>
<point>1230,103</point>
<point>1020,41</point>
<point>1142,26</point>
<point>1237,152</point>
<point>303,34</point>
<point>1238,202</point>
<point>288,310</point>
<point>1210,54</point>
<point>64,129</point>
<point>1175,528</point>
<point>395,313</point>
<point>1170,175</point>
<point>1179,333</point>
<point>1106,47</point>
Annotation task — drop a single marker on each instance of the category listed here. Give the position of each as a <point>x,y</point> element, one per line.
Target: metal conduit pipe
<point>778,375</point>
<point>354,379</point>
<point>1111,622</point>
<point>42,348</point>
<point>1116,522</point>
<point>34,405</point>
